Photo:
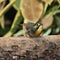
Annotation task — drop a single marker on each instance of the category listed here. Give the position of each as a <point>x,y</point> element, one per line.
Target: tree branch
<point>23,48</point>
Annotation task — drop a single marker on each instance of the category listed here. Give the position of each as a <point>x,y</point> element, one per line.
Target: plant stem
<point>7,7</point>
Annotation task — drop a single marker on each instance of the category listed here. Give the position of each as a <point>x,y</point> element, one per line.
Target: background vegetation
<point>11,17</point>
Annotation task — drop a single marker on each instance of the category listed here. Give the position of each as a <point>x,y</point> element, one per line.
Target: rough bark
<point>22,48</point>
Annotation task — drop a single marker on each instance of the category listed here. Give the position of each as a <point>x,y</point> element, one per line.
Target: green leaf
<point>57,30</point>
<point>47,32</point>
<point>53,10</point>
<point>2,22</point>
<point>16,5</point>
<point>57,18</point>
<point>4,31</point>
<point>20,33</point>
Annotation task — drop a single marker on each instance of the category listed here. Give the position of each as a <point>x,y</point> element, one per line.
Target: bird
<point>32,11</point>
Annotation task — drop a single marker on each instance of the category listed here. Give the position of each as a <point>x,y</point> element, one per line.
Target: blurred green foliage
<point>11,24</point>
